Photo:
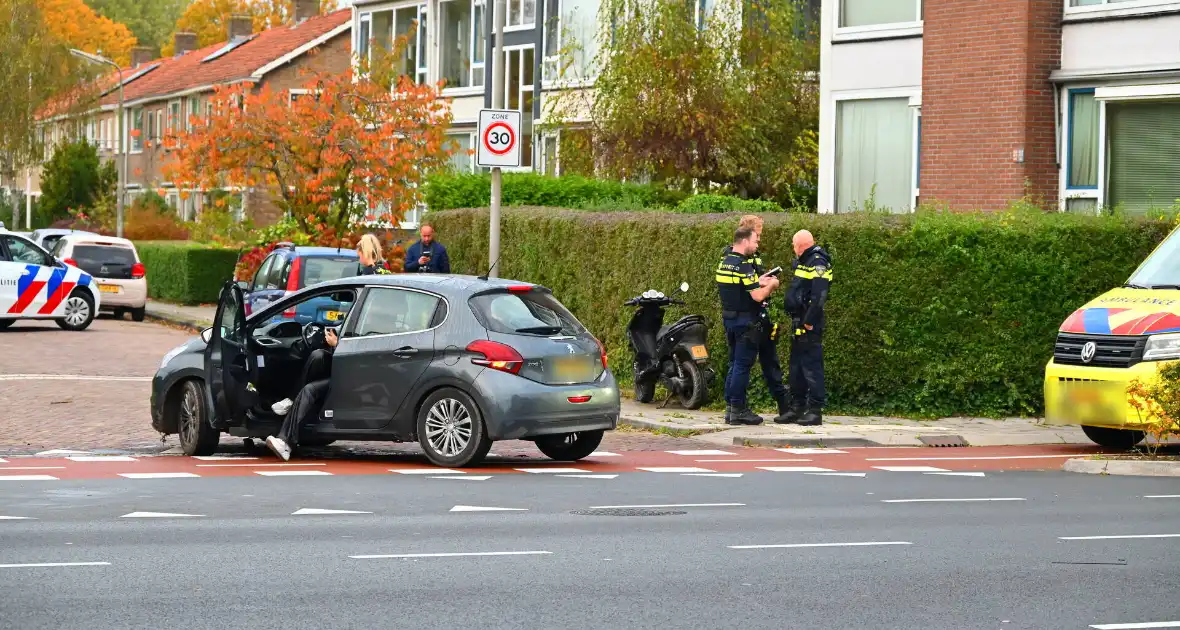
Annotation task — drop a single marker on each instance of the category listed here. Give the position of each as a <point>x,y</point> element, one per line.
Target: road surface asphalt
<point>886,550</point>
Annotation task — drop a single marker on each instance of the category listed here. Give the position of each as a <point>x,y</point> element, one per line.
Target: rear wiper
<point>1133,286</point>
<point>1165,286</point>
<point>540,330</point>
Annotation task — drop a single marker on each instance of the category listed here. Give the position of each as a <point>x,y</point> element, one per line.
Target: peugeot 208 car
<point>452,362</point>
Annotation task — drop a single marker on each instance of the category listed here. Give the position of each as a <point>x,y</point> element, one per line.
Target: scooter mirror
<point>684,287</point>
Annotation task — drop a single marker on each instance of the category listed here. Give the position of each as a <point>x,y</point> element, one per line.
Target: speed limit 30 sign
<point>499,138</point>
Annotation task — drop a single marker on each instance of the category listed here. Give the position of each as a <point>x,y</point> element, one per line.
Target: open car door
<point>229,365</point>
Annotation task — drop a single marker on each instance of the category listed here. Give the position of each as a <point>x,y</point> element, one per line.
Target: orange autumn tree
<point>77,25</point>
<point>209,18</point>
<point>347,151</point>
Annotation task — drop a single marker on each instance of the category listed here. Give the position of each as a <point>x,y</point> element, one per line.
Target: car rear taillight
<point>602,352</point>
<point>522,288</point>
<point>71,262</point>
<point>138,271</point>
<point>496,356</point>
<point>293,284</point>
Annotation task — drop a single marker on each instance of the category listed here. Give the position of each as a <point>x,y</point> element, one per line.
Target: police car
<point>35,285</point>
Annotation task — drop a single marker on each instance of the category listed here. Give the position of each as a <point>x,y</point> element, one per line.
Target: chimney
<point>240,26</point>
<point>306,9</point>
<point>184,42</point>
<point>141,55</point>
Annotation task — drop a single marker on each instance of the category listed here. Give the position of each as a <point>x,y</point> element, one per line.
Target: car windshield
<point>535,312</point>
<point>319,269</point>
<point>1161,270</point>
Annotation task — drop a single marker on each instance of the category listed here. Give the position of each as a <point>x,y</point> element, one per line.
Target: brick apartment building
<point>974,104</point>
<point>160,95</point>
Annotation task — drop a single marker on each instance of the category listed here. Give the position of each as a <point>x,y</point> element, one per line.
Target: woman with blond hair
<point>372,260</point>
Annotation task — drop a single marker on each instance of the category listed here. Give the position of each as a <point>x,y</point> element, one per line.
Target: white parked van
<point>115,265</point>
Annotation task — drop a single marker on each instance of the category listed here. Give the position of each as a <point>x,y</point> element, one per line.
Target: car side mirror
<point>207,335</point>
<point>684,287</point>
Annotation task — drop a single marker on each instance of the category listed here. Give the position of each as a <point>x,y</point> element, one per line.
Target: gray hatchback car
<point>452,362</point>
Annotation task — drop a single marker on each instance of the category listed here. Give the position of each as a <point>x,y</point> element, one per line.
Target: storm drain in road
<point>628,512</point>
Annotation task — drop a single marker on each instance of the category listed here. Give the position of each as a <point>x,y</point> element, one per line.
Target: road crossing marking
<point>665,505</point>
<point>1149,496</point>
<point>159,515</point>
<point>1137,626</point>
<point>804,469</point>
<point>803,545</point>
<point>555,471</point>
<point>710,474</point>
<point>837,474</point>
<point>427,471</point>
<point>464,477</point>
<point>28,478</point>
<point>588,476</point>
<point>292,473</point>
<point>320,512</point>
<point>160,475</point>
<point>17,518</point>
<point>957,474</point>
<point>54,564</point>
<point>785,461</point>
<point>1119,537</point>
<point>950,500</point>
<point>454,555</point>
<point>952,459</point>
<point>910,469</point>
<point>676,469</point>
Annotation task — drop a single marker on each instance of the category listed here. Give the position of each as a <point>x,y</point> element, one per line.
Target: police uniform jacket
<point>736,278</point>
<point>809,288</point>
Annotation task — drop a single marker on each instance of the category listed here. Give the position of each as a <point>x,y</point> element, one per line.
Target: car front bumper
<point>1094,396</point>
<point>516,408</point>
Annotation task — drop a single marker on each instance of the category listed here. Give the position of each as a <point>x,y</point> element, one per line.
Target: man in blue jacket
<point>427,255</point>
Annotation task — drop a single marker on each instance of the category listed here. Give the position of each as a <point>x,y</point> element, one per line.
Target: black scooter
<point>675,355</point>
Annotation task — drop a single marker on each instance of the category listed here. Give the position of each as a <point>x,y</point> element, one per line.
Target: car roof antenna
<point>485,276</point>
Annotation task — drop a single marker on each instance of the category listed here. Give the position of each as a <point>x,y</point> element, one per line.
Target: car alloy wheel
<point>448,427</point>
<point>197,437</point>
<point>77,310</point>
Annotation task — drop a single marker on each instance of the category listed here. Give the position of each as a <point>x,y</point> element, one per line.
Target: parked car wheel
<point>692,396</point>
<point>1121,439</point>
<point>568,447</point>
<point>79,311</point>
<point>137,314</point>
<point>451,429</point>
<point>197,437</point>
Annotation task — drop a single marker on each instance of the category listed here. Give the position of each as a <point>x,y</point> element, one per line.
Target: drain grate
<point>628,512</point>
<point>942,440</point>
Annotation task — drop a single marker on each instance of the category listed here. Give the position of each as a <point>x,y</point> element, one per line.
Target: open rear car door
<point>229,364</point>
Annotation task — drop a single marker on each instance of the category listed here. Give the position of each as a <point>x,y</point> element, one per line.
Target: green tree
<point>151,21</point>
<point>74,179</point>
<point>727,101</point>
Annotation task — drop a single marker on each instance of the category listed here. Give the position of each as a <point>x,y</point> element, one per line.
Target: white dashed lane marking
<point>54,564</point>
<point>453,555</point>
<point>260,465</point>
<point>957,474</point>
<point>952,500</point>
<point>159,515</point>
<point>1127,536</point>
<point>27,478</point>
<point>101,458</point>
<point>17,518</point>
<point>465,477</point>
<point>837,474</point>
<point>555,471</point>
<point>221,458</point>
<point>676,469</point>
<point>665,505</point>
<point>427,471</point>
<point>803,545</point>
<point>700,453</point>
<point>292,473</point>
<point>910,469</point>
<point>804,469</point>
<point>604,454</point>
<point>1137,626</point>
<point>588,476</point>
<point>732,475</point>
<point>321,512</point>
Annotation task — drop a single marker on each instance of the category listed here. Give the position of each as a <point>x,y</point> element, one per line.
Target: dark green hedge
<point>187,273</point>
<point>445,192</point>
<point>929,314</point>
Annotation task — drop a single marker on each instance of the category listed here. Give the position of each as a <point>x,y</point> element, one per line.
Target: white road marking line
<point>427,471</point>
<point>73,377</point>
<point>101,458</point>
<point>32,467</point>
<point>3,461</point>
<point>666,505</point>
<point>957,474</point>
<point>27,478</point>
<point>1118,537</point>
<point>588,476</point>
<point>465,477</point>
<point>476,508</point>
<point>1137,626</point>
<point>675,469</point>
<point>567,471</point>
<point>910,469</point>
<point>159,515</point>
<point>1149,496</point>
<point>802,545</point>
<point>604,454</point>
<point>60,451</point>
<point>292,473</point>
<point>785,461</point>
<point>955,500</point>
<point>318,511</point>
<point>17,518</point>
<point>793,469</point>
<point>160,475</point>
<point>710,474</point>
<point>455,555</point>
<point>219,458</point>
<point>838,474</point>
<point>54,564</point>
<point>701,453</point>
<point>259,465</point>
<point>809,451</point>
<point>953,459</point>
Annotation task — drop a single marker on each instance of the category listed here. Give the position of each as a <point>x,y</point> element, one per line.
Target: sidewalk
<point>837,431</point>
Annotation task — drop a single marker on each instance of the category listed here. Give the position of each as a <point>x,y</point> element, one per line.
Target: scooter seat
<point>663,331</point>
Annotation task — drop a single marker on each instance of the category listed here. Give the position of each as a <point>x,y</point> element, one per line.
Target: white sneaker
<point>282,407</point>
<point>279,447</point>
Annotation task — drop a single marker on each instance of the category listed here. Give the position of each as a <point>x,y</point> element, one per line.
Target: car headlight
<point>1160,347</point>
<point>171,355</point>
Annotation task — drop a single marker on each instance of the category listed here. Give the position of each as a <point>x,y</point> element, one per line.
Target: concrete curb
<point>667,427</point>
<point>1136,467</point>
<point>196,326</point>
<point>817,442</point>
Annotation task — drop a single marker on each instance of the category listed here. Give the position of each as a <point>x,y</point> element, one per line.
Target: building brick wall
<point>986,94</point>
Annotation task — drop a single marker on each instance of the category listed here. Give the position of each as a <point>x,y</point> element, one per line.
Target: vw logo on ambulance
<point>1088,351</point>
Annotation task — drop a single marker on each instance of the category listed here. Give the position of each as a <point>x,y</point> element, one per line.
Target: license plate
<point>108,288</point>
<point>1096,402</point>
<point>571,369</point>
<point>333,316</point>
<point>700,352</point>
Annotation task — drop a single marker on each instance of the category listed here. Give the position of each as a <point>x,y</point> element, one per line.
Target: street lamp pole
<point>120,192</point>
<point>498,19</point>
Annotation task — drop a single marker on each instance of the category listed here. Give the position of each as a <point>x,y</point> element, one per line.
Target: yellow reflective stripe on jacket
<point>808,273</point>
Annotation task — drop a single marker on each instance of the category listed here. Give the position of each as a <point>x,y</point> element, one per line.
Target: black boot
<point>788,413</point>
<point>813,417</point>
<point>745,416</point>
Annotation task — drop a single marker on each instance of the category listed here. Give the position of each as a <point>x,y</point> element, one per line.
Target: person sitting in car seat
<point>317,374</point>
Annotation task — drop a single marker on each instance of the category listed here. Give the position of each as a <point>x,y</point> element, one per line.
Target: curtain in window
<point>873,12</point>
<point>1083,140</point>
<point>874,146</point>
<point>1144,141</point>
<point>460,160</point>
<point>456,42</point>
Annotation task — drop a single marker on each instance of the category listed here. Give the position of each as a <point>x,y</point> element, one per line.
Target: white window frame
<point>523,26</point>
<point>916,107</point>
<point>293,92</point>
<point>475,69</point>
<point>523,88</point>
<point>192,108</point>
<point>470,133</point>
<point>175,124</point>
<point>828,147</point>
<point>1116,8</point>
<point>1098,192</point>
<point>357,44</point>
<point>425,40</point>
<point>550,64</point>
<point>129,126</point>
<point>853,33</point>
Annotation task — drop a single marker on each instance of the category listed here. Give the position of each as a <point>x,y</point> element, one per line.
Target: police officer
<point>748,329</point>
<point>805,303</point>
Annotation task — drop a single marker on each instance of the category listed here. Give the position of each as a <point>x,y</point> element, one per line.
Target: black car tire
<point>645,392</point>
<point>454,408</point>
<point>78,299</point>
<point>137,314</point>
<point>1122,439</point>
<point>118,313</point>
<point>570,447</point>
<point>694,397</point>
<point>197,436</point>
<point>5,323</point>
<point>316,442</point>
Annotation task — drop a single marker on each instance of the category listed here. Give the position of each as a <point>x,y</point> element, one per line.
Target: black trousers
<point>806,371</point>
<point>317,375</point>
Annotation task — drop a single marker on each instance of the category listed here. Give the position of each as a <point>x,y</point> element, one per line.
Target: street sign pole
<point>497,103</point>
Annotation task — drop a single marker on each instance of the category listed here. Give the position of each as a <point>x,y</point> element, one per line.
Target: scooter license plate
<point>700,352</point>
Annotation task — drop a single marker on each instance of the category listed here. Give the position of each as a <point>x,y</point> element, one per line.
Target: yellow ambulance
<point>1125,334</point>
